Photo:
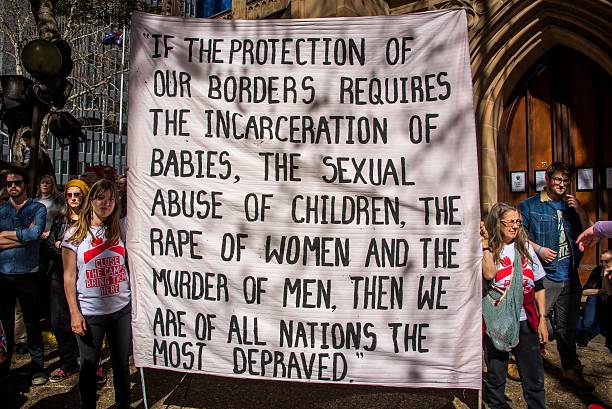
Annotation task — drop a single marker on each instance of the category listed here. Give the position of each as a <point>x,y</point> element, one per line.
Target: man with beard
<point>22,221</point>
<point>554,219</point>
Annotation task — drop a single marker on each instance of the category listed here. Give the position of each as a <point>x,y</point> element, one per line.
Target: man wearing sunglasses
<point>554,219</point>
<point>21,223</point>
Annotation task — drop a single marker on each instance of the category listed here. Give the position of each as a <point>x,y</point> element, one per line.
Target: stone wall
<point>506,38</point>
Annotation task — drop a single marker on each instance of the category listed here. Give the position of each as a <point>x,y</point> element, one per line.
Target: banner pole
<point>479,398</point>
<point>144,388</point>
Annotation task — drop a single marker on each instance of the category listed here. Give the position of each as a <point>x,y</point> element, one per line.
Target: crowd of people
<point>55,252</point>
<point>54,249</point>
<point>531,255</point>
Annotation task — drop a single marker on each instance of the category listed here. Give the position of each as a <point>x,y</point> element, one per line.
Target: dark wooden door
<point>562,111</point>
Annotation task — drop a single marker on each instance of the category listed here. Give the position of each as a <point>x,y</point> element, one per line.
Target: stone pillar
<point>239,10</point>
<point>298,9</point>
<point>357,8</point>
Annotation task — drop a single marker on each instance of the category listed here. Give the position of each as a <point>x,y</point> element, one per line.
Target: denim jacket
<point>541,222</point>
<point>23,259</point>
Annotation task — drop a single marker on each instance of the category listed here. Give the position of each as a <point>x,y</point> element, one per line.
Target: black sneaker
<point>5,376</point>
<point>60,375</point>
<point>21,348</point>
<point>39,378</point>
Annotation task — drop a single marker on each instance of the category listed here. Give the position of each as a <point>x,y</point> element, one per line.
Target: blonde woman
<point>98,291</point>
<point>505,243</point>
<point>47,194</point>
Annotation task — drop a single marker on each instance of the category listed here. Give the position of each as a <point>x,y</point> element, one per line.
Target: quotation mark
<point>146,35</point>
<point>359,355</point>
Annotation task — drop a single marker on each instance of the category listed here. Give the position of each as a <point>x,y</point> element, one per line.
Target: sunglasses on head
<point>10,183</point>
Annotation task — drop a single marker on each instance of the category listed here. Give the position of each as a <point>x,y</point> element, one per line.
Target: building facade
<point>541,72</point>
<point>98,98</point>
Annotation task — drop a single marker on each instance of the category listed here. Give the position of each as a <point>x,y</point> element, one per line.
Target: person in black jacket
<point>596,313</point>
<point>74,193</point>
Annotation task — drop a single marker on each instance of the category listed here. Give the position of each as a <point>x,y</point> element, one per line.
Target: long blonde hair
<point>493,225</point>
<point>54,190</point>
<point>82,226</point>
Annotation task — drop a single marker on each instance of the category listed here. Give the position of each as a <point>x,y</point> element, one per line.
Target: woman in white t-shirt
<point>98,291</point>
<point>503,237</point>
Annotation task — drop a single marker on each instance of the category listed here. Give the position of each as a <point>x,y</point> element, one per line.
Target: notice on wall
<point>303,199</point>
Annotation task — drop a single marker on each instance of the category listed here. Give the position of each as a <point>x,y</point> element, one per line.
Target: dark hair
<point>19,171</point>
<point>558,167</point>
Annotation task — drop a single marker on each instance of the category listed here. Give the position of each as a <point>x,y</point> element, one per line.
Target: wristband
<point>538,251</point>
<point>486,249</point>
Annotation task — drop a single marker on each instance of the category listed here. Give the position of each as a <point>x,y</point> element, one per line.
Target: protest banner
<point>303,199</point>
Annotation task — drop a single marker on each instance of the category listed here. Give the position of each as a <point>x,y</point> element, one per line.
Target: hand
<point>77,323</point>
<point>58,244</point>
<point>543,330</point>
<point>587,238</point>
<point>573,202</point>
<point>547,254</point>
<point>44,235</point>
<point>484,234</point>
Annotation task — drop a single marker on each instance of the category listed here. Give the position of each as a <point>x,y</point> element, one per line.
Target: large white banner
<point>303,199</point>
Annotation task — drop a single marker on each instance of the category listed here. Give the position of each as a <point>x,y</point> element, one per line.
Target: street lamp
<point>49,63</point>
<point>42,59</point>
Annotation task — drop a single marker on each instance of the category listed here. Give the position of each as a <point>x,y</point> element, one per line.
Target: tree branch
<point>44,16</point>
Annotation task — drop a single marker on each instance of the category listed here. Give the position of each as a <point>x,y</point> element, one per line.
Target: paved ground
<point>174,390</point>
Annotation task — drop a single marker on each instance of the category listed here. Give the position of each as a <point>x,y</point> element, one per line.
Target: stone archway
<point>506,41</point>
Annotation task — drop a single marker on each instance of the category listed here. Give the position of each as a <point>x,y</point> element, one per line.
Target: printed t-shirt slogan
<point>303,199</point>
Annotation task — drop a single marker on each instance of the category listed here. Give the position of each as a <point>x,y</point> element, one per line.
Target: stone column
<point>239,10</point>
<point>357,8</point>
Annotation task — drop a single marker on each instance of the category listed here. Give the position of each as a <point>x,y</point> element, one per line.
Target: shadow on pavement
<point>64,400</point>
<point>552,370</point>
<point>212,392</point>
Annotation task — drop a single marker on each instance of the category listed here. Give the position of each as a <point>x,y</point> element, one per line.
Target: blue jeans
<point>587,327</point>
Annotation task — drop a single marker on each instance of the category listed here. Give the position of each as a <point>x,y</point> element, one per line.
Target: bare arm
<point>77,321</point>
<point>588,238</point>
<point>488,265</point>
<point>547,255</point>
<point>540,299</point>
<point>8,240</point>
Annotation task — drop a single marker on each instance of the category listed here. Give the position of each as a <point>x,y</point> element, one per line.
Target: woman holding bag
<point>512,307</point>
